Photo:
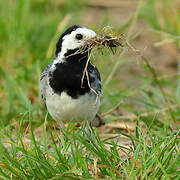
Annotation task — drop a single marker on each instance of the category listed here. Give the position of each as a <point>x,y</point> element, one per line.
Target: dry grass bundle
<point>103,40</point>
<point>107,38</point>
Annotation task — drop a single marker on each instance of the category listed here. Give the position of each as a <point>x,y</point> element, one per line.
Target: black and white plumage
<point>66,96</point>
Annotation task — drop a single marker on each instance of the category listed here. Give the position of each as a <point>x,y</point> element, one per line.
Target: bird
<point>68,92</point>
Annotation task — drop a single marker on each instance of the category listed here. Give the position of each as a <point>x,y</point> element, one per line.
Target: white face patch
<point>70,41</point>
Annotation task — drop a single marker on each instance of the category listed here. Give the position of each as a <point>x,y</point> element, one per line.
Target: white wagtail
<point>67,96</point>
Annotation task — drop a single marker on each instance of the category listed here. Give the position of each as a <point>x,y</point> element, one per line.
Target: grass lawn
<point>141,85</point>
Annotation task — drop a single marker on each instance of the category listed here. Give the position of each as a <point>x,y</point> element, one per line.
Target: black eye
<point>79,36</point>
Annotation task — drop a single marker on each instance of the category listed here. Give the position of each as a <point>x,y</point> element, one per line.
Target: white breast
<point>63,108</point>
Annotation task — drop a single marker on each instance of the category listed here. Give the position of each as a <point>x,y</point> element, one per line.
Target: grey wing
<point>96,80</point>
<point>44,82</point>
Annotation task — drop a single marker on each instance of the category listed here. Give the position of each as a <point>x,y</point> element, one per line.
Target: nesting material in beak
<point>102,41</point>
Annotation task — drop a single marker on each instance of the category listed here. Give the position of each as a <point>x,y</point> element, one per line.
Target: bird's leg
<point>97,121</point>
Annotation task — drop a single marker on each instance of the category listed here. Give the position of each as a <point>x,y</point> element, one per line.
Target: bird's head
<point>72,39</point>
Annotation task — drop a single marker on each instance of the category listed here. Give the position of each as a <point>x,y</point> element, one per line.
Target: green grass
<point>79,155</point>
<point>28,32</point>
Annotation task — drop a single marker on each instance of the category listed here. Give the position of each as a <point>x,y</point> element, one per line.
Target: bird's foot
<point>97,121</point>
